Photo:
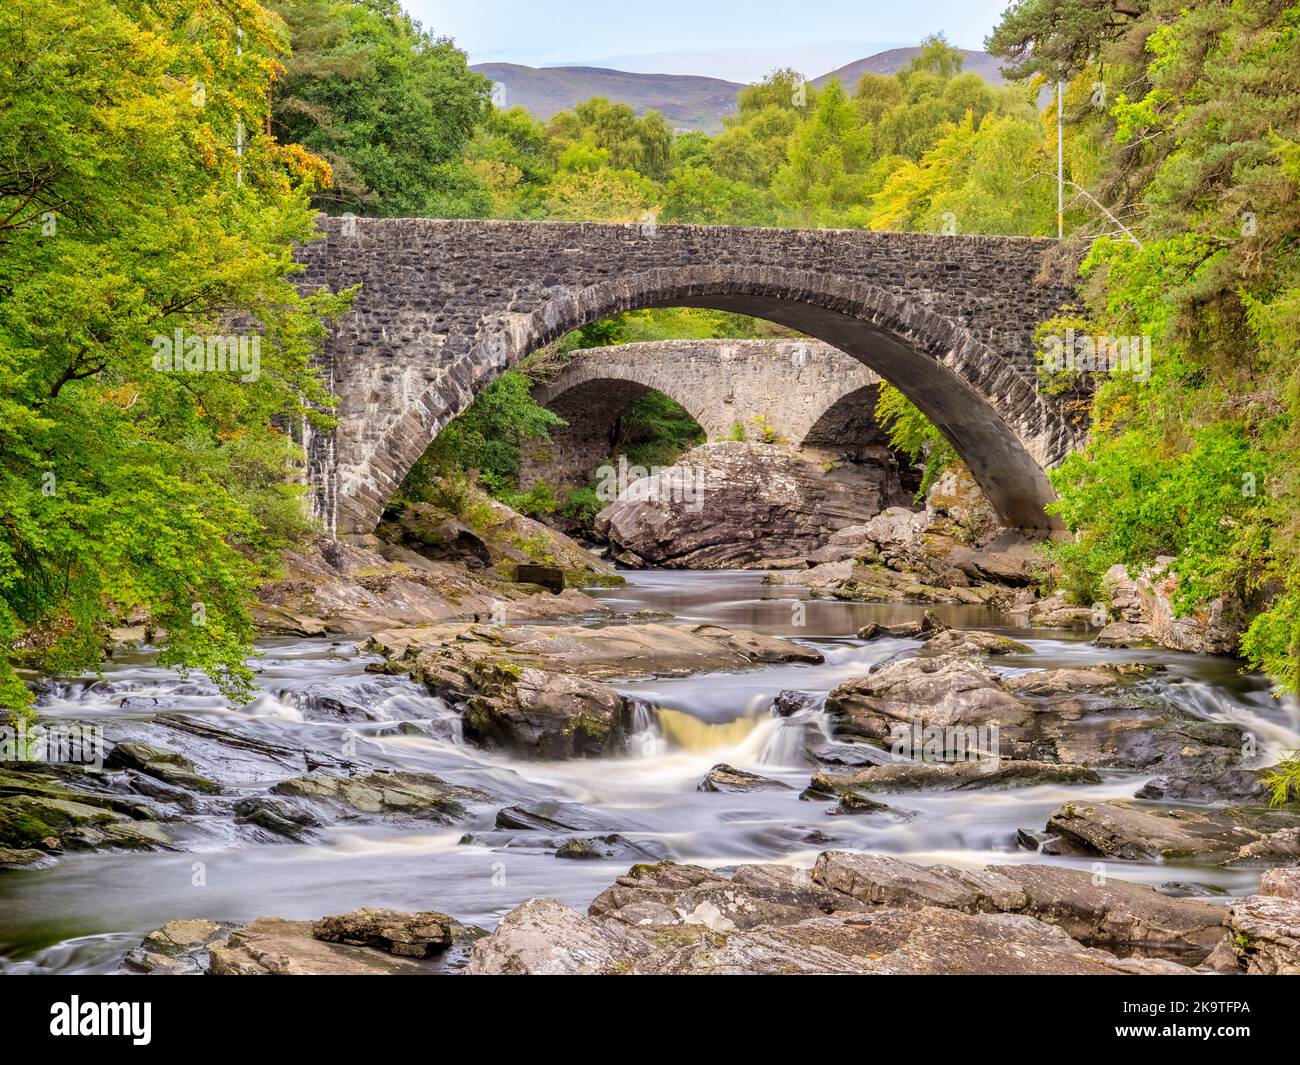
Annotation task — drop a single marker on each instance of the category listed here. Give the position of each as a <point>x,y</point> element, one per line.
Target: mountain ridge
<point>687,101</point>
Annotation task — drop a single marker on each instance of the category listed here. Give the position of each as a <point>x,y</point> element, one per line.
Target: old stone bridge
<point>445,306</point>
<point>798,392</point>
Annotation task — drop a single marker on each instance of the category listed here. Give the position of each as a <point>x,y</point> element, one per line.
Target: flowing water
<point>83,913</point>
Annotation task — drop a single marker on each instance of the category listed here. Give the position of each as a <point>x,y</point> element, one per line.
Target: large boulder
<point>1146,603</point>
<point>1100,717</point>
<point>1265,928</point>
<point>333,587</point>
<point>1130,832</point>
<point>673,919</point>
<point>759,506</point>
<point>1098,911</point>
<point>399,796</point>
<point>537,690</point>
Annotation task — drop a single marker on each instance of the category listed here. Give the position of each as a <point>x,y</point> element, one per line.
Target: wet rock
<point>52,823</point>
<point>617,651</point>
<point>278,816</point>
<point>723,777</point>
<point>165,765</point>
<point>273,946</point>
<point>1107,913</point>
<point>178,948</point>
<point>549,577</point>
<point>773,919</point>
<point>669,894</point>
<point>407,935</point>
<point>1125,634</point>
<point>763,506</point>
<point>543,715</point>
<point>417,796</point>
<point>1104,716</point>
<point>536,690</point>
<point>788,703</point>
<point>23,858</point>
<point>952,776</point>
<point>972,642</point>
<point>879,880</point>
<point>1264,933</point>
<point>906,630</point>
<point>551,817</point>
<point>1242,785</point>
<point>1118,830</point>
<point>609,847</point>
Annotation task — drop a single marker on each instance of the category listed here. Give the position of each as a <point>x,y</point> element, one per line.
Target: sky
<point>739,41</point>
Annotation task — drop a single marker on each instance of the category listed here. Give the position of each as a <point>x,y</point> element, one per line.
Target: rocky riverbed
<point>698,772</point>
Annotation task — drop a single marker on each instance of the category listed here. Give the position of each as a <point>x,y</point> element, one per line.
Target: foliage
<point>485,438</point>
<point>390,107</point>
<point>131,210</point>
<point>1192,146</point>
<point>912,433</point>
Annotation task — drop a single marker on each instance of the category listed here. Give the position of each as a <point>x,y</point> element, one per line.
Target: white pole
<point>1060,163</point>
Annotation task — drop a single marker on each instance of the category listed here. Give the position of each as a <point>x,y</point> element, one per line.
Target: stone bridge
<point>796,392</point>
<point>445,305</point>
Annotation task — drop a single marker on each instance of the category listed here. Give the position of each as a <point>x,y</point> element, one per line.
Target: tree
<point>142,200</point>
<point>390,107</point>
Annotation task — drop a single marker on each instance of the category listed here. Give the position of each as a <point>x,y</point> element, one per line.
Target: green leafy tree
<point>140,199</point>
<point>389,106</point>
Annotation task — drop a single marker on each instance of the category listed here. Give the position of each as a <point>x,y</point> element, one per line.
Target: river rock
<point>952,776</point>
<point>607,847</point>
<point>1104,716</point>
<point>333,587</point>
<point>762,506</point>
<point>178,948</point>
<point>407,935</point>
<point>1265,928</point>
<point>536,690</point>
<point>972,642</point>
<point>724,777</point>
<point>278,816</point>
<point>551,817</point>
<point>40,812</point>
<point>273,946</point>
<point>1121,830</point>
<point>167,766</point>
<point>386,796</point>
<point>1107,913</point>
<point>1148,601</point>
<point>668,919</point>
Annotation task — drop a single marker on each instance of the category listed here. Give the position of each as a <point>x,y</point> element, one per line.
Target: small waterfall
<point>691,734</point>
<point>788,743</point>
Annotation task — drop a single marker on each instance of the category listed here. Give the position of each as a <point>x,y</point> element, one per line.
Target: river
<point>83,913</point>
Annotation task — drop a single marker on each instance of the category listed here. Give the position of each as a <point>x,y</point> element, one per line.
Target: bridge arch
<point>1004,431</point>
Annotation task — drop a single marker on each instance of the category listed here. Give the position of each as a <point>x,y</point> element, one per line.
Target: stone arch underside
<point>785,390</point>
<point>1005,432</point>
<point>591,408</point>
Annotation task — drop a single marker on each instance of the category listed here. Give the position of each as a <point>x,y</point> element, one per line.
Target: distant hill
<point>688,101</point>
<point>685,100</point>
<point>896,59</point>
